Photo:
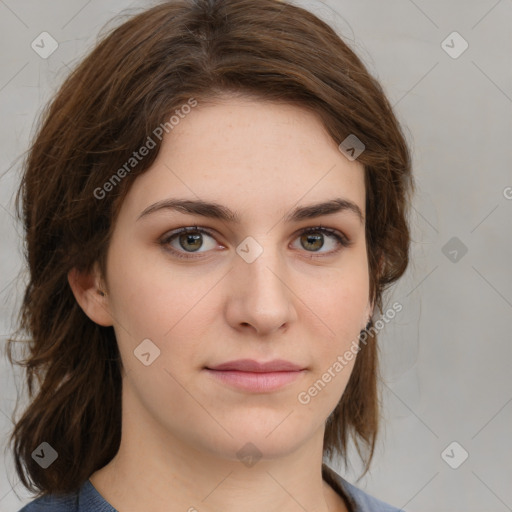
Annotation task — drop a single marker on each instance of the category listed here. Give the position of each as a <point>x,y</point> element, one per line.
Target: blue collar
<point>90,499</point>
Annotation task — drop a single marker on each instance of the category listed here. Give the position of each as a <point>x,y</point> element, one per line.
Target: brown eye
<point>312,242</point>
<point>184,242</point>
<point>193,241</point>
<point>187,240</point>
<point>314,239</point>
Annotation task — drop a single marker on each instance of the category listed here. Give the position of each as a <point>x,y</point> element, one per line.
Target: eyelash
<point>340,238</point>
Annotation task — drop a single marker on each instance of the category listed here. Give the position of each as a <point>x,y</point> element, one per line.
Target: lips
<point>251,376</point>
<point>250,365</point>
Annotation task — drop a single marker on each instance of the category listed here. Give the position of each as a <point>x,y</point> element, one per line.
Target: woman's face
<point>254,288</point>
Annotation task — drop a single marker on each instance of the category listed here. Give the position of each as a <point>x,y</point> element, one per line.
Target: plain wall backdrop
<point>446,66</point>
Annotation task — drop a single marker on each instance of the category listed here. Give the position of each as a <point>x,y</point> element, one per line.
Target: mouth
<point>257,377</point>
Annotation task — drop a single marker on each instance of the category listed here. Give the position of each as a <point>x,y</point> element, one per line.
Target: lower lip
<point>255,382</point>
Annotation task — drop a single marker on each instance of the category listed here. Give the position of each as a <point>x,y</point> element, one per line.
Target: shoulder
<point>53,503</point>
<point>85,499</point>
<point>365,502</point>
<point>359,500</point>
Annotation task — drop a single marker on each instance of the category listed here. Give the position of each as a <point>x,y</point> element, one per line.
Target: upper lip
<point>250,365</point>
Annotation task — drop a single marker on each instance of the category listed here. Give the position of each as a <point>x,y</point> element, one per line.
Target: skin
<point>182,429</point>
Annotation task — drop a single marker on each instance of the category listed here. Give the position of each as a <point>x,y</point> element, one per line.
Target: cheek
<point>336,309</point>
<point>339,298</point>
<point>152,302</point>
<point>147,296</point>
<point>341,308</point>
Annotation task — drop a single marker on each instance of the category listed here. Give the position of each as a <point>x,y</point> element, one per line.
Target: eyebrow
<point>217,211</point>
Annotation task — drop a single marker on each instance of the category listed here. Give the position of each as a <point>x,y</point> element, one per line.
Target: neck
<point>157,471</point>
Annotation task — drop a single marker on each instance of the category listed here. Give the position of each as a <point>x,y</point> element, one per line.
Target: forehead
<point>248,153</point>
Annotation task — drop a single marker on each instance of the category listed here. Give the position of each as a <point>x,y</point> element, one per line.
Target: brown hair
<point>131,82</point>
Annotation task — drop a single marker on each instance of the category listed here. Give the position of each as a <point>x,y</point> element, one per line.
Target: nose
<point>261,297</point>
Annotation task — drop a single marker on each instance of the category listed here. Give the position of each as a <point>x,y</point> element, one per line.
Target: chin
<point>257,441</point>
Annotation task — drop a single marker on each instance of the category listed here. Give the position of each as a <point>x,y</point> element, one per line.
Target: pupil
<point>314,238</point>
<point>188,237</point>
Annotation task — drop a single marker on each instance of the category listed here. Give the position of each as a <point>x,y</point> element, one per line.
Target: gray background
<point>446,356</point>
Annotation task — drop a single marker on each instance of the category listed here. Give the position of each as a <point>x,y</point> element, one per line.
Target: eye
<point>189,240</point>
<point>313,240</point>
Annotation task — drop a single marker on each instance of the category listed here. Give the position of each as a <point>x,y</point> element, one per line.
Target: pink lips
<point>251,375</point>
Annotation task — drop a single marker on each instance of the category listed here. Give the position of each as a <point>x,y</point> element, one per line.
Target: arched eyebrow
<point>214,210</point>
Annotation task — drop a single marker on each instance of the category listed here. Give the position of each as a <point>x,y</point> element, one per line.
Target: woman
<point>214,204</point>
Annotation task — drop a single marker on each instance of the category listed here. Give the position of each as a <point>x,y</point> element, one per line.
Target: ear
<point>86,289</point>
